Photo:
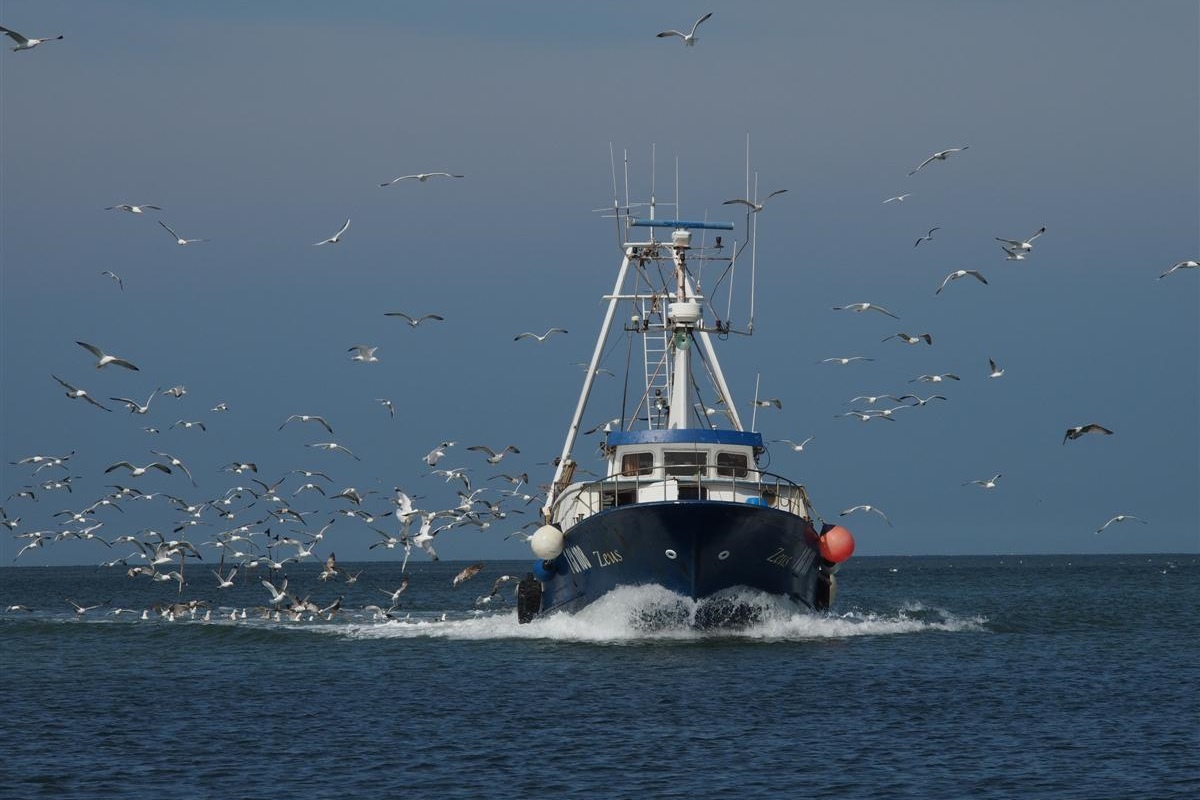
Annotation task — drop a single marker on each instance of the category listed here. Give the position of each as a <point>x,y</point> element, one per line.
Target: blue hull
<point>693,548</point>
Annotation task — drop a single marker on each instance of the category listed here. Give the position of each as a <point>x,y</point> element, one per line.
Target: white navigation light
<point>547,542</point>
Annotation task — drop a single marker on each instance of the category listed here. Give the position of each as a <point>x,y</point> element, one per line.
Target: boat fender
<point>529,598</point>
<point>544,570</point>
<point>837,544</point>
<point>547,542</point>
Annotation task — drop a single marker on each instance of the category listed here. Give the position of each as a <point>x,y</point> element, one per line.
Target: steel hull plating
<point>694,548</point>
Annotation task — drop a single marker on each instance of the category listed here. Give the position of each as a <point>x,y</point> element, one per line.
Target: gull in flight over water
<point>927,338</point>
<point>961,273</point>
<point>334,446</point>
<point>179,240</point>
<point>24,43</point>
<point>990,483</point>
<point>1121,518</point>
<point>542,338</point>
<point>175,462</point>
<point>996,371</point>
<point>421,177</point>
<point>108,273</point>
<point>308,418</point>
<point>413,321</point>
<point>873,509</point>
<point>936,378</point>
<point>1021,246</point>
<point>689,39</point>
<point>927,237</point>
<point>900,198</point>
<point>1179,266</point>
<point>133,406</point>
<point>132,209</point>
<point>494,457</point>
<point>363,353</point>
<point>137,472</point>
<point>754,207</point>
<point>843,360</point>
<point>78,394</point>
<point>860,307</point>
<point>1080,430</point>
<point>1013,255</point>
<point>337,237</point>
<point>795,447</point>
<point>103,359</point>
<point>941,155</point>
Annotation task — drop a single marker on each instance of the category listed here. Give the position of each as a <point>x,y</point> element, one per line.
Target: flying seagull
<point>467,574</point>
<point>134,406</point>
<point>941,155</point>
<point>136,472</point>
<point>927,338</point>
<point>103,359</point>
<point>413,321</point>
<point>108,273</point>
<point>689,39</point>
<point>860,307</point>
<point>795,447</point>
<point>1121,518</point>
<point>996,371</point>
<point>337,237</point>
<point>542,338</point>
<point>493,457</point>
<point>132,209</point>
<point>927,237</point>
<point>1080,430</point>
<point>900,198</point>
<point>961,273</point>
<point>422,177</point>
<point>852,509</point>
<point>754,207</point>
<point>179,240</point>
<point>363,353</point>
<point>844,360</point>
<point>78,394</point>
<point>1022,246</point>
<point>24,43</point>
<point>1179,266</point>
<point>990,483</point>
<point>308,418</point>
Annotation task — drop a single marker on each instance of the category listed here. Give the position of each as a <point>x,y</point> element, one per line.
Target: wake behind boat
<point>683,503</point>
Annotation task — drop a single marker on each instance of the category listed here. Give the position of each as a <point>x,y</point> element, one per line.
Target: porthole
<point>671,554</point>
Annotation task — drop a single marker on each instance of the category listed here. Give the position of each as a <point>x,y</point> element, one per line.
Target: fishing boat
<point>684,501</point>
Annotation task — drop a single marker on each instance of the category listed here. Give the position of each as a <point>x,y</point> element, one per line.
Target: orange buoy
<point>837,544</point>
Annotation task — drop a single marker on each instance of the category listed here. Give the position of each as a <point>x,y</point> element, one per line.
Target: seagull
<point>413,321</point>
<point>990,483</point>
<point>689,39</point>
<point>80,609</point>
<point>421,177</point>
<point>941,155</point>
<point>133,406</point>
<point>996,371</point>
<point>852,509</point>
<point>493,456</point>
<point>334,446</point>
<point>1080,430</point>
<point>103,359</point>
<point>866,416</point>
<point>78,394</point>
<point>176,391</point>
<point>337,237</point>
<point>395,595</point>
<point>936,378</point>
<point>1179,266</point>
<point>179,240</point>
<point>383,401</point>
<point>1012,255</point>
<point>466,574</point>
<point>774,401</point>
<point>110,274</point>
<point>898,198</point>
<point>434,455</point>
<point>363,353</point>
<point>795,447</point>
<point>927,237</point>
<point>227,582</point>
<point>24,43</point>
<point>135,472</point>
<point>186,424</point>
<point>754,207</point>
<point>175,462</point>
<point>308,418</point>
<point>1022,246</point>
<point>910,339</point>
<point>872,399</point>
<point>132,209</point>
<point>1121,518</point>
<point>860,307</point>
<point>845,359</point>
<point>277,595</point>
<point>919,401</point>
<point>961,273</point>
<point>542,338</point>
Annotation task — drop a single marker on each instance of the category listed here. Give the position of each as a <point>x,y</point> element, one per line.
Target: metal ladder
<point>656,350</point>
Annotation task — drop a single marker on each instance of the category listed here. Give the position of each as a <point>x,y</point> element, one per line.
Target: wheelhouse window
<point>691,463</point>
<point>637,464</point>
<point>732,464</point>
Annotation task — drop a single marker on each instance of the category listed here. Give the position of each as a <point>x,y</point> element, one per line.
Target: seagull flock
<point>205,523</point>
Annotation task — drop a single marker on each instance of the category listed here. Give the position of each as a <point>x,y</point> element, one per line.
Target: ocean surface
<point>933,677</point>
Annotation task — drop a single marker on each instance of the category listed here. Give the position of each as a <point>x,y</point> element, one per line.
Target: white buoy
<point>547,542</point>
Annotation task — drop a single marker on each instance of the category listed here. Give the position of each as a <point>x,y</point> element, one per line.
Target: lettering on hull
<point>797,564</point>
<point>577,560</point>
<point>606,558</point>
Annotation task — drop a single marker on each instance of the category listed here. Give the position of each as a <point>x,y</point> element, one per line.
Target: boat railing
<point>756,487</point>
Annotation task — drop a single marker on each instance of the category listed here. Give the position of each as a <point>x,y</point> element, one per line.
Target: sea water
<point>935,677</point>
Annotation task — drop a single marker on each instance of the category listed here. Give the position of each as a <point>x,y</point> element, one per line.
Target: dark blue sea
<point>933,677</point>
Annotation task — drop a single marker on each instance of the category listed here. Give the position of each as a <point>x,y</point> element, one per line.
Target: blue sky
<point>263,127</point>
